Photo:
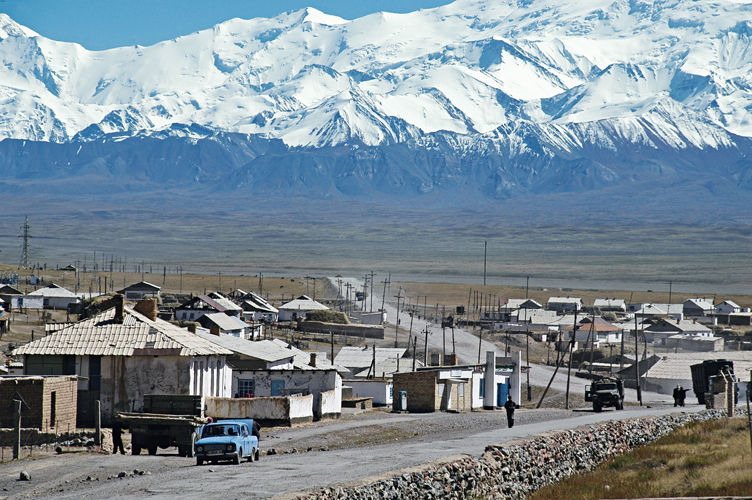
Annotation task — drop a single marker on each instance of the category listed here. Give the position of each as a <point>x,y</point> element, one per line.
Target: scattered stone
<point>24,476</point>
<point>271,451</point>
<point>211,470</point>
<point>58,450</point>
<point>89,478</point>
<point>122,474</point>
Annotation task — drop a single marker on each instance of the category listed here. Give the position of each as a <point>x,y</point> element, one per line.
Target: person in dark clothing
<point>682,395</point>
<point>676,395</point>
<point>117,438</point>
<point>510,406</point>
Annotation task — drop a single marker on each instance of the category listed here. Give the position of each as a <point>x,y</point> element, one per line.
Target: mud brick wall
<point>36,393</point>
<point>422,390</point>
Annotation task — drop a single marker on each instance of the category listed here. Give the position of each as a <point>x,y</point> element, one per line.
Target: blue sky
<point>103,24</point>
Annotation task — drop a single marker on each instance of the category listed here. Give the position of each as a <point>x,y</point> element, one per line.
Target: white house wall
<point>380,390</point>
<point>210,377</point>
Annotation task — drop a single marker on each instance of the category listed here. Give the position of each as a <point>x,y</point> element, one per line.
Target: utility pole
<point>485,256</point>
<point>425,348</point>
<point>261,284</point>
<point>670,286</point>
<point>397,322</point>
<point>527,287</point>
<point>383,297</point>
<point>25,247</point>
<point>637,362</point>
<point>370,309</point>
<point>180,270</point>
<point>571,345</point>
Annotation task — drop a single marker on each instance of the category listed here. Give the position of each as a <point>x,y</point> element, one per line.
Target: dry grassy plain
<point>708,459</point>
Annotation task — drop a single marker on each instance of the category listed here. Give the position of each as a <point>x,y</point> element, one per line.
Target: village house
<point>727,307</point>
<point>140,290</point>
<point>592,330</point>
<point>357,360</point>
<point>124,353</point>
<point>299,308</point>
<point>56,297</point>
<point>199,305</point>
<point>698,307</point>
<point>228,325</point>
<point>462,388</point>
<point>257,309</point>
<point>610,305</point>
<point>564,304</point>
<point>649,310</point>
<point>48,403</point>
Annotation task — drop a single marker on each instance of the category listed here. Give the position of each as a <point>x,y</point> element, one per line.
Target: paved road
<point>467,350</point>
<point>273,475</point>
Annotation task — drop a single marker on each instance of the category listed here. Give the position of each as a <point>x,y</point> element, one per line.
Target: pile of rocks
<point>511,471</point>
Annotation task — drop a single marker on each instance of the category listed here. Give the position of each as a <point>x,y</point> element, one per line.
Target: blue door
<point>277,386</point>
<point>502,391</point>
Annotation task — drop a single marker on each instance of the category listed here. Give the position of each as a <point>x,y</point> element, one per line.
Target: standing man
<point>682,395</point>
<point>117,438</point>
<point>676,395</point>
<point>510,406</point>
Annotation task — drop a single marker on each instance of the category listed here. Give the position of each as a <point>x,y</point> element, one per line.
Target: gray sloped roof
<point>359,357</point>
<point>303,303</point>
<point>265,350</point>
<point>102,336</point>
<point>226,322</point>
<point>389,366</point>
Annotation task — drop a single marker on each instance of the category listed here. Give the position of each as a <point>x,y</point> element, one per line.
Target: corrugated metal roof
<point>57,292</point>
<point>676,366</point>
<point>265,350</point>
<point>101,336</point>
<point>225,322</point>
<point>361,357</point>
<point>225,302</point>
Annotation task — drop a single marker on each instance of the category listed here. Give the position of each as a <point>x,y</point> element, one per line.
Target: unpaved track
<point>172,477</point>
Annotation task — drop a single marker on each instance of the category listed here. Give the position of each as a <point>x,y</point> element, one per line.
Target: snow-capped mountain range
<point>499,97</point>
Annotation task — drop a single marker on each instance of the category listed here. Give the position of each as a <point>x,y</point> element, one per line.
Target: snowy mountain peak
<point>8,27</point>
<point>472,67</point>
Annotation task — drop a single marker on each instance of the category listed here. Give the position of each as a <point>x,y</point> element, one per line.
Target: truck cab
<point>607,392</point>
<point>227,440</point>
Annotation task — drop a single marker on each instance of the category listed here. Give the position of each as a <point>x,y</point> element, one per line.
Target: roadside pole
<point>571,346</point>
<point>98,423</point>
<point>749,416</point>
<point>16,429</point>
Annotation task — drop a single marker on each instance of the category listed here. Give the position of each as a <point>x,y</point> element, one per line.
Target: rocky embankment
<point>517,468</point>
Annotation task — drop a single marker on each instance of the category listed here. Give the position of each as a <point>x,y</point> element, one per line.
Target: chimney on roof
<point>214,330</point>
<point>147,307</point>
<point>119,302</point>
<point>192,328</point>
<point>312,362</point>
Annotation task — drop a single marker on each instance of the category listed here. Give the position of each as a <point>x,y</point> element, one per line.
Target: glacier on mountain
<point>505,96</point>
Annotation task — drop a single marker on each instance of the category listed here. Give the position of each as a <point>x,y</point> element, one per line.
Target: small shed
<point>140,290</point>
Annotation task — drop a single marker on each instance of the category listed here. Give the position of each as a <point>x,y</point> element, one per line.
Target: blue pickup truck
<point>231,440</point>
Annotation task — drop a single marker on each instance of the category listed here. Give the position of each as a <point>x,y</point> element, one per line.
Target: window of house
<point>246,386</point>
<point>95,372</point>
<point>482,391</point>
<point>53,408</point>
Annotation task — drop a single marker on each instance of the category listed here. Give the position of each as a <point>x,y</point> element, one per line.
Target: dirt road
<point>168,476</point>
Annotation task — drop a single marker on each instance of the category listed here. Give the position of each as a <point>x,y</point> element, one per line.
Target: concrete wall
<point>330,404</point>
<point>266,410</point>
<point>378,389</point>
<point>36,392</point>
<point>365,331</point>
<point>314,382</point>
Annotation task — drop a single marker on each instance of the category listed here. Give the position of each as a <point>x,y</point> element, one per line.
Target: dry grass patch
<point>700,459</point>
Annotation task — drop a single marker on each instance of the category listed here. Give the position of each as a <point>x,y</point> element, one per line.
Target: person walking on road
<point>510,406</point>
<point>676,395</point>
<point>117,438</point>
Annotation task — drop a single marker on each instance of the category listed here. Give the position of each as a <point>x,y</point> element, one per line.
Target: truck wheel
<point>199,461</point>
<point>236,458</point>
<point>135,449</point>
<point>258,454</point>
<point>152,449</point>
<point>251,456</point>
<point>620,406</point>
<point>189,451</point>
<point>597,407</point>
<point>181,450</point>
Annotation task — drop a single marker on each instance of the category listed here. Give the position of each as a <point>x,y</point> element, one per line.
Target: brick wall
<point>422,390</point>
<point>36,392</point>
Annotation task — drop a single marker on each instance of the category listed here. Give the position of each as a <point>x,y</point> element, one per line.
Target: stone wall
<point>515,469</point>
<point>422,390</point>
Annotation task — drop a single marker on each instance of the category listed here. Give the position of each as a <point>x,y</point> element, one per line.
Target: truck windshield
<point>220,430</point>
<point>607,387</point>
